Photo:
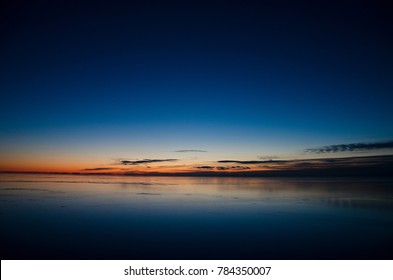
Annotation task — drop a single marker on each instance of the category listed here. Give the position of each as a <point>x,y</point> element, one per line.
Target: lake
<point>125,217</point>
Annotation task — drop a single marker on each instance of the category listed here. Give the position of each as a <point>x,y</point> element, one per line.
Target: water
<point>117,217</point>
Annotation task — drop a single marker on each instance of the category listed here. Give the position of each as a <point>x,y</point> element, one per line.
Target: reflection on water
<point>115,217</point>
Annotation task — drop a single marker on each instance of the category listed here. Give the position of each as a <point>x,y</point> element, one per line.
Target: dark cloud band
<point>145,161</point>
<point>351,147</point>
<point>222,168</point>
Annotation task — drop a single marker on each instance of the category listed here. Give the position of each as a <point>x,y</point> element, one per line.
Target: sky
<point>192,86</point>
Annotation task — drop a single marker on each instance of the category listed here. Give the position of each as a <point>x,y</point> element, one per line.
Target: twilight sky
<point>183,86</point>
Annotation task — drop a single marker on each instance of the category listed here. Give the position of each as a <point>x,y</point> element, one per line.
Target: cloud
<point>240,167</point>
<point>144,161</point>
<point>221,168</point>
<point>205,167</point>
<point>190,151</point>
<point>367,166</point>
<point>351,147</point>
<point>232,167</point>
<point>331,163</point>
<point>97,169</point>
<point>252,161</point>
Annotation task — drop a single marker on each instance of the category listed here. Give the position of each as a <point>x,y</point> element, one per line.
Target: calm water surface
<point>110,217</point>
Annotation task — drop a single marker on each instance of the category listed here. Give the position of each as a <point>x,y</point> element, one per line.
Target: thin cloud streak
<point>145,161</point>
<point>251,161</point>
<point>190,151</point>
<point>98,169</point>
<point>222,168</point>
<point>268,157</point>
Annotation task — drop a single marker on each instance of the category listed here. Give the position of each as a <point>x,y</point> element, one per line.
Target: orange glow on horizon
<point>119,170</point>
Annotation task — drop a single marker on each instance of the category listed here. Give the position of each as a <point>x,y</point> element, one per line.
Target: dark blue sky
<point>274,76</point>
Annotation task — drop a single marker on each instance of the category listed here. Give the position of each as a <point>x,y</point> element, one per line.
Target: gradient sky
<point>87,85</point>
